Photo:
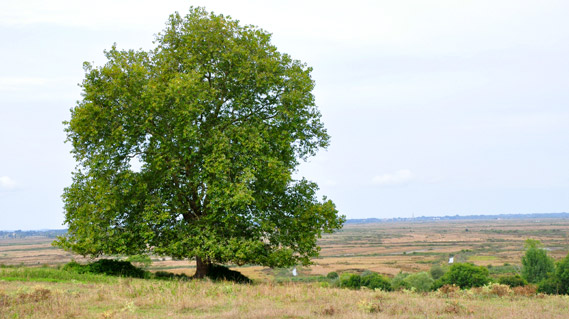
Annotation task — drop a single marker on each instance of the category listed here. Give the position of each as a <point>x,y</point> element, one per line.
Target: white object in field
<point>451,260</point>
<point>294,272</point>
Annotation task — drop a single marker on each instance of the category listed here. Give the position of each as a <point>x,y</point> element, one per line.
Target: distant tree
<point>219,120</point>
<point>536,265</point>
<point>465,276</point>
<point>420,281</point>
<point>374,280</point>
<point>562,275</point>
<point>512,281</point>
<point>558,282</point>
<point>436,271</point>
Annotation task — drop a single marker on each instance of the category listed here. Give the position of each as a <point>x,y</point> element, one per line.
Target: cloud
<point>399,177</point>
<point>7,183</point>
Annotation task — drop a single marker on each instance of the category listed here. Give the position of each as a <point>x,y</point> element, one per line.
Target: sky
<point>434,108</point>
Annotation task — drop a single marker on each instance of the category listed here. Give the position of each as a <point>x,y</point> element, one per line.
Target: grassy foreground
<point>52,293</point>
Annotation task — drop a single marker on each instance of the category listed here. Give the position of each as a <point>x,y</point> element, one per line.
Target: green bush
<point>398,282</point>
<point>436,271</point>
<point>75,267</point>
<point>549,286</point>
<point>512,281</point>
<point>107,267</point>
<point>536,265</point>
<point>218,272</point>
<point>464,275</point>
<point>562,275</point>
<point>374,280</point>
<point>421,281</point>
<point>332,275</point>
<point>352,281</point>
<point>558,282</point>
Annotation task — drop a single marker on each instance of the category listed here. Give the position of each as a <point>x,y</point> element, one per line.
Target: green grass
<point>48,274</point>
<point>482,258</point>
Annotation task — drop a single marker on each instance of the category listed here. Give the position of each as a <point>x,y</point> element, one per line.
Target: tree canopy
<point>219,121</point>
<point>536,265</point>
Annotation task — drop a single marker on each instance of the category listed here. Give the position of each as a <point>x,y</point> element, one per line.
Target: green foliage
<point>352,281</point>
<point>368,279</point>
<point>398,282</point>
<point>219,120</point>
<point>142,261</point>
<point>550,286</point>
<point>421,281</point>
<point>464,275</point>
<point>512,281</point>
<point>47,274</point>
<point>218,272</point>
<point>374,280</point>
<point>558,282</point>
<point>332,275</point>
<point>436,271</point>
<point>536,265</point>
<point>108,267</point>
<point>562,275</point>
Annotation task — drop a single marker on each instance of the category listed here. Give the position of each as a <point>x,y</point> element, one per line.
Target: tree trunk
<point>202,267</point>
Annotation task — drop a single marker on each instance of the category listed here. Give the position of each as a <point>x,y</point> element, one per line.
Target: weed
<point>525,291</point>
<point>369,306</point>
<point>329,311</point>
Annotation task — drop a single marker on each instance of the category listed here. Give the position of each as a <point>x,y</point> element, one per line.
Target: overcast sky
<point>434,107</point>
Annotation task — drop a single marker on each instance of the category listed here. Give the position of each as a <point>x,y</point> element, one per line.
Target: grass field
<point>98,296</point>
<point>30,291</point>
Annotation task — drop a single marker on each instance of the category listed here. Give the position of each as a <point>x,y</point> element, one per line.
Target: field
<point>387,248</point>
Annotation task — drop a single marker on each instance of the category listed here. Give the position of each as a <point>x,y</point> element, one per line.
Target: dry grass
<point>130,298</point>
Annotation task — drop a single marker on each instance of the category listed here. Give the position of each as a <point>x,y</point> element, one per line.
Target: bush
<point>75,267</point>
<point>352,281</point>
<point>332,275</point>
<point>436,271</point>
<point>374,280</point>
<point>421,281</point>
<point>108,267</point>
<point>465,276</point>
<point>398,282</point>
<point>218,272</point>
<point>550,286</point>
<point>562,275</point>
<point>512,281</point>
<point>536,265</point>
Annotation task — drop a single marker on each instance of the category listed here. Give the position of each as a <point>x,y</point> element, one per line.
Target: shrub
<point>562,275</point>
<point>76,267</point>
<point>499,290</point>
<point>398,282</point>
<point>373,280</point>
<point>512,281</point>
<point>218,272</point>
<point>436,272</point>
<point>332,275</point>
<point>352,281</point>
<point>107,267</point>
<point>420,281</point>
<point>536,265</point>
<point>465,276</point>
<point>526,291</point>
<point>550,286</point>
<point>115,268</point>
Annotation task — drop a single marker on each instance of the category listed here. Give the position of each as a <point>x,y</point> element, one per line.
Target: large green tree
<point>219,120</point>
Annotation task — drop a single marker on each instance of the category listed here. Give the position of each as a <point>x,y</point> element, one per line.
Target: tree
<point>219,120</point>
<point>536,265</point>
<point>465,276</point>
